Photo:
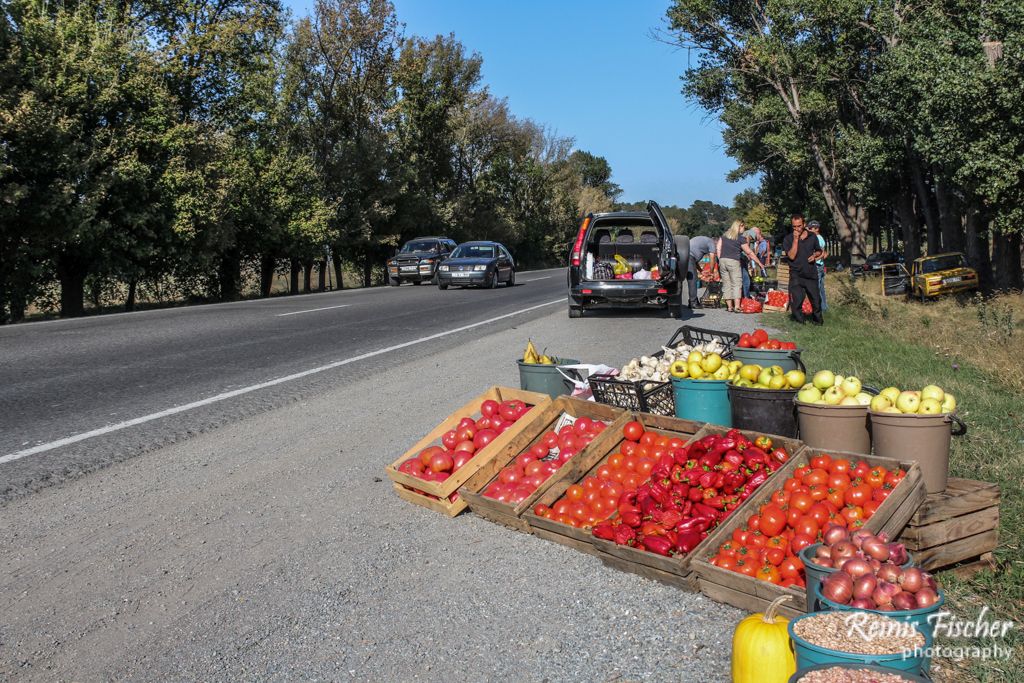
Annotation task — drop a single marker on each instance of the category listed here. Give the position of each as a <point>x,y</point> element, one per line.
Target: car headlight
<point>443,268</point>
<point>426,261</point>
<point>479,267</point>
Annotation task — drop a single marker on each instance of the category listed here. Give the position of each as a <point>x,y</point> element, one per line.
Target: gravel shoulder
<point>273,548</point>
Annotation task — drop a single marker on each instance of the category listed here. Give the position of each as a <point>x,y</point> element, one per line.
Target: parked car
<point>483,264</point>
<point>642,239</point>
<point>873,263</point>
<point>932,276</point>
<point>418,259</point>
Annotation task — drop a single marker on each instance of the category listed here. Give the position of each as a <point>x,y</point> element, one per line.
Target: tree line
<point>181,149</point>
<point>901,123</point>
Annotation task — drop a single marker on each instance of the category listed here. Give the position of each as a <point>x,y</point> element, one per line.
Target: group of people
<point>740,248</point>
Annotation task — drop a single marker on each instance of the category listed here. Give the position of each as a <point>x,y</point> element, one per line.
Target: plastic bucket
<point>770,411</point>
<point>809,655</point>
<point>703,400</point>
<point>545,379</point>
<point>906,676</point>
<point>835,428</point>
<point>815,574</point>
<point>924,438</point>
<point>918,617</point>
<point>787,359</point>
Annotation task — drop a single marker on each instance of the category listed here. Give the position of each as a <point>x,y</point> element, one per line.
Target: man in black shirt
<point>801,251</point>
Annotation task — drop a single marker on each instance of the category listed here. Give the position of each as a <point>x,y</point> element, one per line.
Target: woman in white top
<point>731,247</point>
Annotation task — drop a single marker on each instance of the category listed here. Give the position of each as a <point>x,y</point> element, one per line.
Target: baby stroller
<point>709,276</point>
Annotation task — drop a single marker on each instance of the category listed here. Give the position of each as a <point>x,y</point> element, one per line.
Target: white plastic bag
<point>578,375</point>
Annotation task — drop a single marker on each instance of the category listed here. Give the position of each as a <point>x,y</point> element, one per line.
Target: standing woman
<point>731,248</point>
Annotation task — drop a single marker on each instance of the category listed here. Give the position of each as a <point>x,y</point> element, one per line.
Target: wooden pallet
<point>749,593</point>
<point>419,490</point>
<point>959,525</point>
<point>783,276</point>
<point>687,582</point>
<point>582,539</point>
<point>510,514</point>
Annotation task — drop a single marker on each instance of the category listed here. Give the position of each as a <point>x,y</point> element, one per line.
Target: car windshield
<point>948,262</point>
<point>882,257</point>
<point>474,251</point>
<point>419,245</point>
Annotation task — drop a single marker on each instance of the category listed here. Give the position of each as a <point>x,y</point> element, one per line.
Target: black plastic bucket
<point>768,411</point>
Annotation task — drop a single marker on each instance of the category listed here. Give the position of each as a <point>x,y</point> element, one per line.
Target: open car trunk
<point>639,246</point>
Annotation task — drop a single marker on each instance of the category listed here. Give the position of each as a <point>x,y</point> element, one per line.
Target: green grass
<point>855,342</point>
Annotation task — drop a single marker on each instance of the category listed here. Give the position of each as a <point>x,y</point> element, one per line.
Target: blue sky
<point>590,70</point>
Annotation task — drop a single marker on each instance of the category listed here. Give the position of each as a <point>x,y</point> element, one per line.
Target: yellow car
<point>932,276</point>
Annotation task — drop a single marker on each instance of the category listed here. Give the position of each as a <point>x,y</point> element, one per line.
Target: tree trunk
<point>924,203</point>
<point>908,225</point>
<point>307,275</point>
<point>16,305</point>
<point>293,287</point>
<point>367,271</point>
<point>129,304</point>
<point>977,247</point>
<point>229,275</point>
<point>322,267</point>
<point>267,263</point>
<point>1006,258</point>
<point>96,293</point>
<point>336,259</point>
<point>71,273</point>
<point>950,222</point>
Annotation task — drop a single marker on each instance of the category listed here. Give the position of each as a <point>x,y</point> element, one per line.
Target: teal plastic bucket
<point>545,379</point>
<point>787,359</point>
<point>918,617</point>
<point>809,655</point>
<point>703,400</point>
<point>815,574</point>
<point>905,676</point>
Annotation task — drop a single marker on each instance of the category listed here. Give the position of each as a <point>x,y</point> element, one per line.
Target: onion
<point>881,598</point>
<point>883,537</point>
<point>888,572</point>
<point>824,562</point>
<point>912,580</point>
<point>834,533</point>
<point>864,586</point>
<point>823,551</point>
<point>843,550</point>
<point>875,564</point>
<point>860,536</point>
<point>904,601</point>
<point>863,603</point>
<point>929,581</point>
<point>885,608</point>
<point>926,597</point>
<point>897,553</point>
<point>856,567</point>
<point>872,547</point>
<point>838,587</point>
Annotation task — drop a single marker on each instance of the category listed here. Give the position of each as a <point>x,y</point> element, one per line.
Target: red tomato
<point>815,476</point>
<point>649,439</point>
<point>807,526</point>
<point>488,408</point>
<point>840,466</point>
<point>632,481</point>
<point>727,563</point>
<point>800,542</point>
<point>615,460</point>
<point>894,478</point>
<point>773,520</point>
<point>818,492</point>
<point>644,467</point>
<point>541,510</point>
<point>449,439</point>
<point>460,458</point>
<point>853,512</point>
<point>792,485</point>
<point>835,497</point>
<point>582,425</point>
<point>740,536</point>
<point>857,495</point>
<point>746,568</point>
<point>793,515</point>
<point>791,567</point>
<point>754,523</point>
<point>768,573</point>
<point>633,430</point>
<point>821,462</point>
<point>819,513</point>
<point>484,437</point>
<point>871,507</point>
<point>801,501</point>
<point>876,477</point>
<point>838,481</point>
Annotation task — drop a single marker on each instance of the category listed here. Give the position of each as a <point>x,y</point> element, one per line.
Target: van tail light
<point>662,291</point>
<point>577,249</point>
<point>588,291</point>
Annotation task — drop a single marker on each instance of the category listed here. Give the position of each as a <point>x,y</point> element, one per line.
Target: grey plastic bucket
<point>545,379</point>
<point>924,438</point>
<point>835,428</point>
<point>787,359</point>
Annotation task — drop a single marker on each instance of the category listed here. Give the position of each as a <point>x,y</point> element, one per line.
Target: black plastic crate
<point>658,400</point>
<point>696,335</point>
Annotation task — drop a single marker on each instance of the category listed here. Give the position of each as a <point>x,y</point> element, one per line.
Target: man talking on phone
<point>801,251</point>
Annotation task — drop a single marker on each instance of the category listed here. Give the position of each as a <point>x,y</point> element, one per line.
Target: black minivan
<point>642,241</point>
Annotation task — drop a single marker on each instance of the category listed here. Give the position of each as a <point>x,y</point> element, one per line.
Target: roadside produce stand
<point>686,503</point>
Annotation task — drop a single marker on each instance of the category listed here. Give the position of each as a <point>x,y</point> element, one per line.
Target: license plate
<point>410,268</point>
<point>951,280</point>
<point>459,274</point>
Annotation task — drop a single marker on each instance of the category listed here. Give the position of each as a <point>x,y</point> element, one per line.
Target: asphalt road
<point>64,380</point>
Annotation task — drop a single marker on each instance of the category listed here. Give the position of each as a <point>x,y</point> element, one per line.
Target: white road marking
<point>546,277</point>
<point>312,310</point>
<point>42,448</point>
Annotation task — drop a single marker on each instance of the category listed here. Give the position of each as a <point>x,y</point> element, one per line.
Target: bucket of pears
<point>539,372</point>
<point>918,425</point>
<point>761,398</point>
<point>832,413</point>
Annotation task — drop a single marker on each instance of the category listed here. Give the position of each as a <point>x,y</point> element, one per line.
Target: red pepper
<point>670,518</point>
<point>696,524</point>
<point>709,441</point>
<point>680,490</point>
<point>648,506</point>
<point>687,541</point>
<point>719,480</point>
<point>780,455</point>
<point>661,494</point>
<point>754,455</point>
<point>627,498</point>
<point>626,508</point>
<point>604,530</point>
<point>708,493</point>
<point>678,475</point>
<point>712,457</point>
<point>707,480</point>
<point>631,519</point>
<point>702,510</point>
<point>658,544</point>
<point>756,480</point>
<point>624,535</point>
<point>734,457</point>
<point>684,458</point>
<point>652,529</point>
<point>717,502</point>
<point>695,494</point>
<point>763,442</point>
<point>687,506</point>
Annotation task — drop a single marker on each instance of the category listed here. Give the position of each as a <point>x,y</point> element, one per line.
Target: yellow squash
<point>761,652</point>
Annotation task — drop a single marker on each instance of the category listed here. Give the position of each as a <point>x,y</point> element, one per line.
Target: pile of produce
<point>777,298</point>
<point>828,388</point>
<point>870,574</point>
<point>525,474</point>
<point>656,369</point>
<point>692,489</point>
<point>827,492</point>
<point>698,365</point>
<point>759,339</point>
<point>459,445</point>
<point>531,357</point>
<point>843,674</point>
<point>754,376</point>
<point>931,400</point>
<point>601,494</point>
<point>876,635</point>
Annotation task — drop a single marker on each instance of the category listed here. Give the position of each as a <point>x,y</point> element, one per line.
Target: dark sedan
<point>482,264</point>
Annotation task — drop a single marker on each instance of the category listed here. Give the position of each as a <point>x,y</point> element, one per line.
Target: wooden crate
<point>687,582</point>
<point>775,309</point>
<point>510,514</point>
<point>782,276</point>
<point>680,565</point>
<point>444,489</point>
<point>582,539</point>
<point>749,593</point>
<point>961,524</point>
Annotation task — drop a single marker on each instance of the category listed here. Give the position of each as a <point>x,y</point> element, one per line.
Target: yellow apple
<point>929,406</point>
<point>833,396</point>
<point>695,357</point>
<point>721,373</point>
<point>948,403</point>
<point>850,386</point>
<point>891,393</point>
<point>777,382</point>
<point>696,371</point>
<point>863,398</point>
<point>809,394</point>
<point>750,372</point>
<point>880,403</point>
<point>849,401</point>
<point>908,402</point>
<point>795,378</point>
<point>823,379</point>
<point>932,391</point>
<point>711,362</point>
<point>679,369</point>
